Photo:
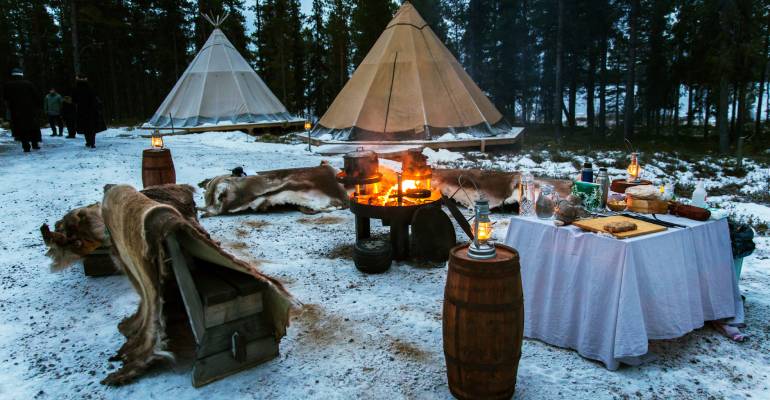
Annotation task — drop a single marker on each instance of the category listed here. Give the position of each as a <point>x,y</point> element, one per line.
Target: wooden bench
<point>224,308</point>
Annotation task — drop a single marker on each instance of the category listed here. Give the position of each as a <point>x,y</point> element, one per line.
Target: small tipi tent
<point>220,90</point>
<point>409,87</point>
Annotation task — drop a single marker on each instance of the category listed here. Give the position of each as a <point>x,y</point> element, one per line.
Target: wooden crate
<point>224,308</point>
<point>100,263</point>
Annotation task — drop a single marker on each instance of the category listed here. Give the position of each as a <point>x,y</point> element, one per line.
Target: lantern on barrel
<point>481,248</point>
<point>157,164</point>
<point>483,315</point>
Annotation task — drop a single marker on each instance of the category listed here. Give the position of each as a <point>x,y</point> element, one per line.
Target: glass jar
<point>527,196</point>
<point>546,202</point>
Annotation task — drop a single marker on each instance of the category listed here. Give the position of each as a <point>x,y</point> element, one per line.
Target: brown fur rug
<point>138,227</point>
<point>500,188</point>
<point>314,189</point>
<point>81,231</point>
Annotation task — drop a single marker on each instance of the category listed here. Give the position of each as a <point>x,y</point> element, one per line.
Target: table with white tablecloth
<point>606,297</point>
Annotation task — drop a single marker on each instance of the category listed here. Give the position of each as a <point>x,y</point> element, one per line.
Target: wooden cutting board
<point>597,225</point>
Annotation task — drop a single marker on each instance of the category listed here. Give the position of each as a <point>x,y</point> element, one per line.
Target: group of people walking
<point>79,113</point>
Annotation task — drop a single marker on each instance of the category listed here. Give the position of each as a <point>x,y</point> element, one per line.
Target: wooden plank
<point>245,284</point>
<point>220,365</point>
<point>192,300</point>
<point>240,307</point>
<point>597,225</point>
<point>217,338</point>
<point>212,289</point>
<point>232,127</point>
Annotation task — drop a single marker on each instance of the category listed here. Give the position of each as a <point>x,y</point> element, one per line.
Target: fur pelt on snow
<point>500,188</point>
<point>139,226</point>
<point>314,189</point>
<point>81,231</point>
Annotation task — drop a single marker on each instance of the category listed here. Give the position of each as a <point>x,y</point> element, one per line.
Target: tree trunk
<point>74,32</point>
<point>724,132</point>
<point>572,96</point>
<point>762,78</point>
<point>628,131</point>
<point>675,120</point>
<point>590,117</point>
<point>706,112</point>
<point>557,93</point>
<point>733,112</point>
<point>617,107</point>
<point>603,88</point>
<point>689,106</point>
<point>742,110</point>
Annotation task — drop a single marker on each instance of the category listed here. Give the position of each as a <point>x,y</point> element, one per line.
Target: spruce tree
<point>317,39</point>
<point>368,19</point>
<point>339,44</point>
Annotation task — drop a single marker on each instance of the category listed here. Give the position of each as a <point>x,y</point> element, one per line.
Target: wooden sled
<point>225,312</point>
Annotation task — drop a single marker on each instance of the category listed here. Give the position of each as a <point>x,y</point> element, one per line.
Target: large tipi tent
<point>409,87</point>
<point>220,90</point>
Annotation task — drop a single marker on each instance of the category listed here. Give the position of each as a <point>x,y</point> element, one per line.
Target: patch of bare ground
<point>342,250</point>
<point>407,350</point>
<point>324,220</point>
<point>319,327</point>
<point>256,223</point>
<point>241,233</point>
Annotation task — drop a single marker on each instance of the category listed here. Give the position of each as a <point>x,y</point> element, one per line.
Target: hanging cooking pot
<point>361,167</point>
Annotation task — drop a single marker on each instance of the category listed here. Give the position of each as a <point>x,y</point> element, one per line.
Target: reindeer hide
<point>138,227</point>
<point>313,188</point>
<point>500,188</point>
<point>81,231</point>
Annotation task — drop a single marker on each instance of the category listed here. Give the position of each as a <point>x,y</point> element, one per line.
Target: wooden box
<point>100,263</point>
<point>224,308</point>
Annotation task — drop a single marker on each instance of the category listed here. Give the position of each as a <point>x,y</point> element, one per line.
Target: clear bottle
<point>527,196</point>
<point>546,202</point>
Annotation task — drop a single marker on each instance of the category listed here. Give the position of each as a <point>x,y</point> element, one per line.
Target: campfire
<point>383,187</point>
<point>390,196</point>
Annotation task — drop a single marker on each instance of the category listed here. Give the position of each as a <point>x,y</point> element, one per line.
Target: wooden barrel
<point>157,167</point>
<point>483,324</point>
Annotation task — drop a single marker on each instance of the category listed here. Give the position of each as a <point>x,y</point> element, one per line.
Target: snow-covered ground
<point>356,336</point>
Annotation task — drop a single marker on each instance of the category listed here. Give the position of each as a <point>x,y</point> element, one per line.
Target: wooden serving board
<point>597,225</point>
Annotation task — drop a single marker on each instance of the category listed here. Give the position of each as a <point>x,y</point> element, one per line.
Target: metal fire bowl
<point>343,178</point>
<point>389,213</point>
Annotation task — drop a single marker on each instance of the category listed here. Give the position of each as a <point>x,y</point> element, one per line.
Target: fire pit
<point>391,197</point>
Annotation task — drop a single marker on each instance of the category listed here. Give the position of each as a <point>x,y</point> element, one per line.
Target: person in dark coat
<point>69,116</point>
<point>24,102</point>
<point>87,111</point>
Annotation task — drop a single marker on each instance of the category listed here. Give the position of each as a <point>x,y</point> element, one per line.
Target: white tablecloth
<point>606,297</point>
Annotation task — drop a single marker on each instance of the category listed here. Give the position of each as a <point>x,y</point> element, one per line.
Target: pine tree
<point>317,39</point>
<point>435,14</point>
<point>367,21</point>
<point>339,44</point>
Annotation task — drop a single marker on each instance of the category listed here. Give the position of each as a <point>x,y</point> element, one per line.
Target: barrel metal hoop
<point>490,367</point>
<point>518,304</point>
<point>477,273</point>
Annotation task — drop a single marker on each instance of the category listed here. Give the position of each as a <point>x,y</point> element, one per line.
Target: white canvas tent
<point>220,91</point>
<point>409,87</point>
